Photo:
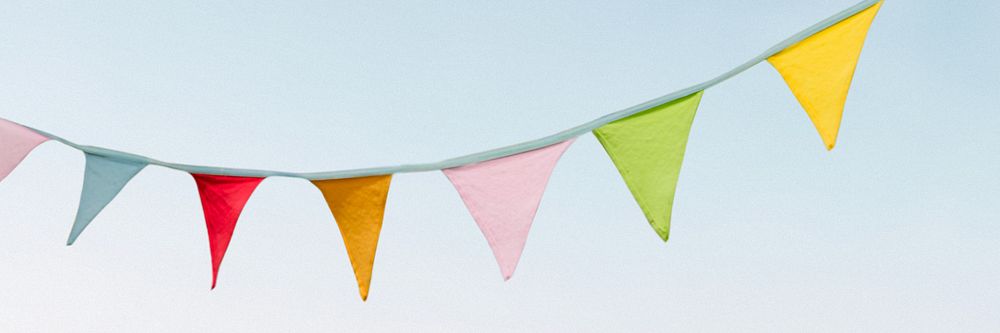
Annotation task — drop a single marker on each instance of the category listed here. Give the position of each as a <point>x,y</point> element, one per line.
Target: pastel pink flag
<point>503,196</point>
<point>16,142</point>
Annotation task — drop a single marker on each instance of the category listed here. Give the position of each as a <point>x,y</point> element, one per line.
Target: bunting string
<point>502,188</point>
<point>493,153</point>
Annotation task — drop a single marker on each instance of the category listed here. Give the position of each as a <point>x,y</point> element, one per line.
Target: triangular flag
<point>222,198</point>
<point>648,149</point>
<point>358,205</point>
<point>16,142</point>
<point>503,196</point>
<point>103,178</point>
<point>819,70</point>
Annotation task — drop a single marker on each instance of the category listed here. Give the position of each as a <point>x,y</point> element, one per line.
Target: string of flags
<point>501,188</point>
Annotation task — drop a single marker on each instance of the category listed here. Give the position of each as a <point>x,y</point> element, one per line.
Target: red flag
<point>222,198</point>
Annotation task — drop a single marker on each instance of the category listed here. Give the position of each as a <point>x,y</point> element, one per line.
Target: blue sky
<point>895,229</point>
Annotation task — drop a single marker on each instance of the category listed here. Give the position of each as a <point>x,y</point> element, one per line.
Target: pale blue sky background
<point>895,230</point>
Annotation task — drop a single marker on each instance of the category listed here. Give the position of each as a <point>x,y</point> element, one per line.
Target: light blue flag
<point>102,180</point>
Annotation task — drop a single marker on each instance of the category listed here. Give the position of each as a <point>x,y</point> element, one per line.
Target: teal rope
<point>489,154</point>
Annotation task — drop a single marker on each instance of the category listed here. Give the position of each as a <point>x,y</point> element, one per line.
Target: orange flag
<point>358,205</point>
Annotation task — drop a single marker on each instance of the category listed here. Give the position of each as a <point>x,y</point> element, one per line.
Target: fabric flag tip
<point>664,235</point>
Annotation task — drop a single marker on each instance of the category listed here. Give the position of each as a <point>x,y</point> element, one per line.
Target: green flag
<point>648,148</point>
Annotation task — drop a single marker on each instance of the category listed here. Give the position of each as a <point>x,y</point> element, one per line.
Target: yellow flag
<point>358,205</point>
<point>819,70</point>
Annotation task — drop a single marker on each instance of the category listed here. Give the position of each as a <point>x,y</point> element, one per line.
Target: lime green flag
<point>648,148</point>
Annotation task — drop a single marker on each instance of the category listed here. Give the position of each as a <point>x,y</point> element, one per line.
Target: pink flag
<point>503,195</point>
<point>16,142</point>
<point>222,198</point>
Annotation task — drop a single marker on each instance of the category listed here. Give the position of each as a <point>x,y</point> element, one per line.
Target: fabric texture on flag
<point>222,199</point>
<point>103,178</point>
<point>358,205</point>
<point>819,70</point>
<point>16,142</point>
<point>503,195</point>
<point>648,150</point>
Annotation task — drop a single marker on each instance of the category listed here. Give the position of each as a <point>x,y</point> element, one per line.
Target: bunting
<point>103,178</point>
<point>502,188</point>
<point>222,198</point>
<point>819,70</point>
<point>16,142</point>
<point>648,148</point>
<point>503,195</point>
<point>358,205</point>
